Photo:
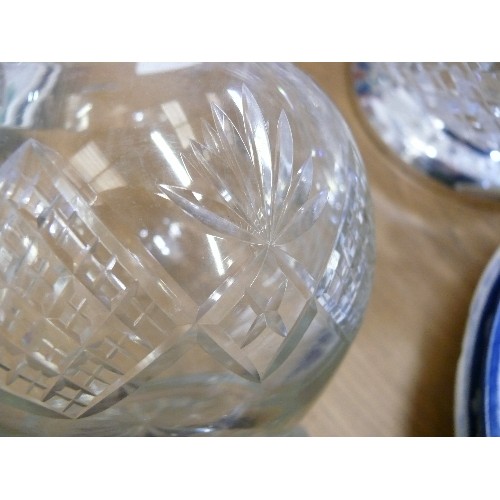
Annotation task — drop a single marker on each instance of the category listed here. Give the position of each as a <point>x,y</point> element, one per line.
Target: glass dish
<point>441,118</point>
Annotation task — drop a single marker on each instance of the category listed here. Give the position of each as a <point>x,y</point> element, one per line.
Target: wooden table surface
<point>432,245</point>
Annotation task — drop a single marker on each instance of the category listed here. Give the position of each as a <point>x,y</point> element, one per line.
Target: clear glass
<point>442,118</point>
<point>185,249</point>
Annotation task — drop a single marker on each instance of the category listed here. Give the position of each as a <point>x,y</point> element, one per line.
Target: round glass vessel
<point>185,249</point>
<point>442,118</point>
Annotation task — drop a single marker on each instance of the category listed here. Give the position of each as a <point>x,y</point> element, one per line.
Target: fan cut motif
<point>262,198</point>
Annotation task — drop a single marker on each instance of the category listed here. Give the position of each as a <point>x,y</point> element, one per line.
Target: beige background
<point>432,245</point>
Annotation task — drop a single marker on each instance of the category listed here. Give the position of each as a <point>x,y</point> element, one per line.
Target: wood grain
<point>432,246</point>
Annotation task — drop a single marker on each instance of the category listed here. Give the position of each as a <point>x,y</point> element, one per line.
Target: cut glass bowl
<point>185,249</point>
<point>442,118</point>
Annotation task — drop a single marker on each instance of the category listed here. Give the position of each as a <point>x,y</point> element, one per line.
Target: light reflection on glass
<point>161,245</point>
<point>417,144</point>
<point>177,167</point>
<point>174,230</point>
<point>285,95</point>
<point>236,97</point>
<point>77,113</point>
<point>33,96</point>
<point>216,254</point>
<point>89,161</point>
<point>151,68</point>
<point>495,155</point>
<point>431,151</point>
<point>439,124</point>
<point>175,114</point>
<point>109,179</point>
<point>84,110</point>
<point>212,98</point>
<point>93,167</point>
<point>185,134</point>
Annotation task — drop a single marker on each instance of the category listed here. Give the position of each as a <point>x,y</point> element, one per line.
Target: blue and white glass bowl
<point>184,249</point>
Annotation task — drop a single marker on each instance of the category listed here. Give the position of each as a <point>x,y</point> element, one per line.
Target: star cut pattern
<point>261,196</point>
<point>268,316</point>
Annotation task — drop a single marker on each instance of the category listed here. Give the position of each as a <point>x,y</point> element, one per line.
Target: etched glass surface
<point>443,118</point>
<point>177,258</point>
